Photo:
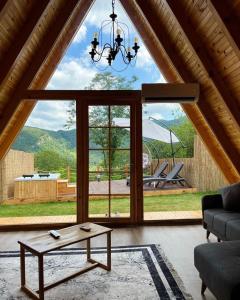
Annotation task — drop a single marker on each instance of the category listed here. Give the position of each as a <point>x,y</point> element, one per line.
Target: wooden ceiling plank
<point>228,21</point>
<point>218,130</point>
<point>45,74</point>
<point>231,104</point>
<point>14,52</point>
<point>38,59</point>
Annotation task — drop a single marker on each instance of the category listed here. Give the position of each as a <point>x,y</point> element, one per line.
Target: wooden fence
<point>201,170</point>
<point>15,164</point>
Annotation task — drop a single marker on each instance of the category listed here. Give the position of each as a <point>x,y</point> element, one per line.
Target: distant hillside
<point>31,139</point>
<point>170,123</point>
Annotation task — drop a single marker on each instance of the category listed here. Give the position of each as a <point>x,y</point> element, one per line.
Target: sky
<point>75,71</point>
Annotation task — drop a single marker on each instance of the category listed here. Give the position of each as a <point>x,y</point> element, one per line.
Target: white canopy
<point>151,130</point>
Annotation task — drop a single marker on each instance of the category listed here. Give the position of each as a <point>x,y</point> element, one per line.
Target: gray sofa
<point>222,217</point>
<point>219,263</point>
<point>219,268</point>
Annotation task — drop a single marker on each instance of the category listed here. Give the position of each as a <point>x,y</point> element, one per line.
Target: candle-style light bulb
<point>95,35</point>
<point>129,49</point>
<point>118,31</point>
<point>136,40</point>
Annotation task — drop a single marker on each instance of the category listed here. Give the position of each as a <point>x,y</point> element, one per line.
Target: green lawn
<point>152,203</point>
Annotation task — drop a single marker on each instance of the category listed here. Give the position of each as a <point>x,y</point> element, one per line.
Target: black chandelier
<point>119,42</point>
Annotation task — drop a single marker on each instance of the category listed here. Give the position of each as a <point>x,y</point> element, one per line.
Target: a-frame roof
<point>190,41</point>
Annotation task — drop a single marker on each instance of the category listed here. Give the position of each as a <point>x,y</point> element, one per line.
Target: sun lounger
<point>172,177</point>
<point>159,172</point>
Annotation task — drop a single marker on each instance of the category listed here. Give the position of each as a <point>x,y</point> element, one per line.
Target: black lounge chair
<point>173,177</point>
<point>159,172</point>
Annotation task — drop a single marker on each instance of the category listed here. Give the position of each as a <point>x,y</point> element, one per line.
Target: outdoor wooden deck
<point>120,187</point>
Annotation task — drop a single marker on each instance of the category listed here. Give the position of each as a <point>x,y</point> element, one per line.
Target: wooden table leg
<point>109,250</point>
<point>88,249</point>
<point>22,266</point>
<point>41,277</point>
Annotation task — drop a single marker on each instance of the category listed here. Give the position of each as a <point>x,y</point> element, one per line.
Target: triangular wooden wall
<point>191,41</point>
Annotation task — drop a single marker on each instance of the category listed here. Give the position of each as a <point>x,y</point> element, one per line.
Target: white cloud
<point>161,79</point>
<point>80,35</point>
<point>50,115</point>
<point>73,74</point>
<point>160,110</point>
<point>144,59</point>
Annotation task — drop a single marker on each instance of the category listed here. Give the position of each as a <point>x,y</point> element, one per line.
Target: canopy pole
<point>173,157</point>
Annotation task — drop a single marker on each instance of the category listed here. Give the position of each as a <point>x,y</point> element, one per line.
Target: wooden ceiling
<point>190,41</point>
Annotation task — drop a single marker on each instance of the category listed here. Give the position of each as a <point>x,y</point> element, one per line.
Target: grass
<point>183,202</point>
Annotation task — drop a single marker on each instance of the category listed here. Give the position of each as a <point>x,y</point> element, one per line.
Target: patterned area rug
<point>138,272</point>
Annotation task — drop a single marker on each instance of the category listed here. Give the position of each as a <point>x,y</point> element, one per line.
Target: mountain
<point>171,123</point>
<point>31,139</point>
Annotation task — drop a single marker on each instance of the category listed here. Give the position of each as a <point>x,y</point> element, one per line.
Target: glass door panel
<point>109,163</point>
<point>120,207</point>
<point>98,206</point>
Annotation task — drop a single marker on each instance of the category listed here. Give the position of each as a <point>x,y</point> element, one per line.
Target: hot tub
<point>40,176</point>
<point>38,188</point>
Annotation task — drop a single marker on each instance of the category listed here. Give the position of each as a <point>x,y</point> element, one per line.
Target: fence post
<point>68,173</point>
<point>126,171</point>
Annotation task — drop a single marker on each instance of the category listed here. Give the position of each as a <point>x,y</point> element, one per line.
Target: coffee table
<point>45,243</point>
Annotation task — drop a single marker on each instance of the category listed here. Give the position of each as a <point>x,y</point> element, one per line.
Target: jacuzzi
<point>40,176</point>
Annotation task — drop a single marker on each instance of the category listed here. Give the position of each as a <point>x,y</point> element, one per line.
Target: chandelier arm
<point>100,53</point>
<point>123,55</point>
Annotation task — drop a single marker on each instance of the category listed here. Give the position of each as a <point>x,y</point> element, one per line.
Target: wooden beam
<point>8,61</point>
<point>61,44</point>
<point>40,55</point>
<point>158,27</point>
<point>81,94</point>
<point>199,50</point>
<point>44,74</point>
<point>228,20</point>
<point>2,5</point>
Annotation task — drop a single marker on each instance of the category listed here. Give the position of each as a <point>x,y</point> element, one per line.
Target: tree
<point>185,132</point>
<point>102,115</point>
<point>54,155</point>
<point>101,81</point>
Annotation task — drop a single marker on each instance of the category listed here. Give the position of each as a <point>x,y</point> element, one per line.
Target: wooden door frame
<point>111,97</point>
<point>134,100</point>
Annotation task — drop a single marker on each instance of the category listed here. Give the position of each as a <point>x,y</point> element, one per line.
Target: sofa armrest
<point>212,201</point>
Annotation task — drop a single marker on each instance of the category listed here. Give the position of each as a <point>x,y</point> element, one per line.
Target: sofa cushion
<point>231,197</point>
<point>220,221</point>
<point>233,230</point>
<point>219,267</point>
<point>209,215</point>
